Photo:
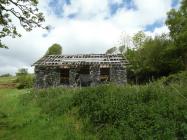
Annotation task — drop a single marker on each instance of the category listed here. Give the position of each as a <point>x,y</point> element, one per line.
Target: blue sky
<point>56,7</point>
<point>156,24</point>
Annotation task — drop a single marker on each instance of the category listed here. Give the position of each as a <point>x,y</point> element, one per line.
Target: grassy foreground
<point>22,119</point>
<point>154,111</point>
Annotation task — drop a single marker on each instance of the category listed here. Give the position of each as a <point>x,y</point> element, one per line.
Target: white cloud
<point>158,31</point>
<point>93,30</point>
<point>161,30</point>
<point>147,12</point>
<point>86,36</point>
<point>87,9</point>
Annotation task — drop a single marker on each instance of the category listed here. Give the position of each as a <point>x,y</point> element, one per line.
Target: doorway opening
<point>64,76</point>
<point>105,74</point>
<point>84,75</point>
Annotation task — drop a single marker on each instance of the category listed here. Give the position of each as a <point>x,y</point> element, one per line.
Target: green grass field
<point>24,121</point>
<point>6,80</point>
<point>108,112</point>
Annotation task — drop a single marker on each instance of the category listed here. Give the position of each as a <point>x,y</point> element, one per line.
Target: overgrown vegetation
<point>25,117</point>
<point>152,59</point>
<point>177,24</point>
<point>24,79</point>
<point>154,111</point>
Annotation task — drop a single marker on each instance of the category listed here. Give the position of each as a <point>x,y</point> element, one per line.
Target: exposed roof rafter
<point>81,59</point>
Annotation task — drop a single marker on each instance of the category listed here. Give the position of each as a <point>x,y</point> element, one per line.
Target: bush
<point>179,78</point>
<point>22,72</point>
<point>25,81</point>
<point>144,112</point>
<point>152,111</point>
<point>52,101</point>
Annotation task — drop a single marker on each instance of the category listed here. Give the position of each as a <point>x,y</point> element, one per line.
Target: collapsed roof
<point>81,59</point>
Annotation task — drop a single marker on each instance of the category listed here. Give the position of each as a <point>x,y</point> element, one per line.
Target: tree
<point>111,50</point>
<point>55,49</point>
<point>156,57</point>
<point>138,39</point>
<point>25,11</point>
<point>177,24</point>
<point>22,71</point>
<point>24,79</point>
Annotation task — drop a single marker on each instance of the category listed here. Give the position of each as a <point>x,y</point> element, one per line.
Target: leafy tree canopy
<point>55,49</point>
<point>25,11</point>
<point>177,24</point>
<point>138,39</point>
<point>156,57</point>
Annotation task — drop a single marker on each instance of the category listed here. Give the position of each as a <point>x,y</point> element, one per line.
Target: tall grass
<point>145,112</point>
<point>38,115</point>
<point>154,111</point>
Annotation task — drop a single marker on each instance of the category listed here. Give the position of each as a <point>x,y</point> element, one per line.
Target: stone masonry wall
<point>73,81</point>
<point>95,75</point>
<point>47,77</point>
<point>118,74</point>
<point>50,76</point>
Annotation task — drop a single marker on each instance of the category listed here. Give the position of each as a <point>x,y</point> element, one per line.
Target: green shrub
<point>179,78</point>
<point>25,81</point>
<point>144,112</point>
<point>53,101</point>
<point>152,111</point>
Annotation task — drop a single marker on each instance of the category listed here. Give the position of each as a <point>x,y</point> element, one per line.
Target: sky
<point>84,26</point>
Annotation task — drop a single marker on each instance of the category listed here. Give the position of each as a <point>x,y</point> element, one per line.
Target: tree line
<point>154,57</point>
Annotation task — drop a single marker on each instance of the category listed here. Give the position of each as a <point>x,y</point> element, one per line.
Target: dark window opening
<point>84,70</point>
<point>84,76</point>
<point>64,76</point>
<point>105,74</point>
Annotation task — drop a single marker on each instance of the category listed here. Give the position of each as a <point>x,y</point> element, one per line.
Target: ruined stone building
<point>80,70</point>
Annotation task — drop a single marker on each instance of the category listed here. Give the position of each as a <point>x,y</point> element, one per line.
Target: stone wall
<point>93,78</point>
<point>94,75</point>
<point>50,76</point>
<point>73,77</point>
<point>47,77</point>
<point>118,74</point>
